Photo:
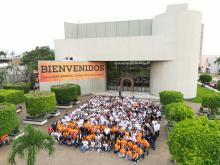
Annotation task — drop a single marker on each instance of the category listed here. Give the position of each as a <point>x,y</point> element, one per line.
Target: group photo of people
<point>128,127</point>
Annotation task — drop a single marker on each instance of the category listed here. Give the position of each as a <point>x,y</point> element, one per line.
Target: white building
<point>208,64</point>
<point>151,55</point>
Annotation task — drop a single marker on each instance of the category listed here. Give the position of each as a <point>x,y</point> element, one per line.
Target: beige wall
<point>173,49</point>
<point>87,86</point>
<point>139,48</point>
<point>180,74</point>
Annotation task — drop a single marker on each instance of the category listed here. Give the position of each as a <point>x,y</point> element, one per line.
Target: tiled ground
<point>72,156</point>
<point>129,94</point>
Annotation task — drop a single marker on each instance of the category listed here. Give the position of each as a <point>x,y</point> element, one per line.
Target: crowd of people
<point>126,126</point>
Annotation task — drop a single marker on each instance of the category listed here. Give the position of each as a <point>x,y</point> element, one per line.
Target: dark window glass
<point>139,71</point>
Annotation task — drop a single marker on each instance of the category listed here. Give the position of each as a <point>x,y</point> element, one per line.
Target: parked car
<point>212,84</point>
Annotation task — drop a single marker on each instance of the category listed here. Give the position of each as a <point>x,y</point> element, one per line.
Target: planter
<point>77,102</point>
<point>35,120</point>
<point>40,103</point>
<point>16,135</point>
<point>55,113</point>
<point>62,106</point>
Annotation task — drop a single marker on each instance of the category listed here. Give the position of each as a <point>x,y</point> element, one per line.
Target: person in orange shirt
<point>146,145</point>
<point>113,129</point>
<point>122,153</point>
<point>140,134</point>
<point>134,147</point>
<point>139,140</point>
<point>117,147</point>
<point>89,138</point>
<point>141,154</point>
<point>93,136</point>
<point>134,157</point>
<point>118,140</point>
<point>129,155</point>
<point>130,144</point>
<point>123,142</point>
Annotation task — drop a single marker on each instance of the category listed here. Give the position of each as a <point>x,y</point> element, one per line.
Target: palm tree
<point>30,144</point>
<point>217,61</point>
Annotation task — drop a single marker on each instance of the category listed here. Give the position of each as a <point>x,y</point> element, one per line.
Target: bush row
<point>212,102</point>
<point>175,112</point>
<point>38,103</point>
<point>167,97</point>
<point>11,96</point>
<point>205,78</point>
<point>66,93</point>
<point>195,142</point>
<point>8,118</point>
<point>19,86</point>
<point>192,140</point>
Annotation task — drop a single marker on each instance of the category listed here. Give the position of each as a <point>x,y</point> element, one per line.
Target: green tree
<point>212,102</point>
<point>2,53</point>
<point>176,112</point>
<point>30,144</point>
<point>31,58</point>
<point>205,78</point>
<point>195,142</point>
<point>167,97</point>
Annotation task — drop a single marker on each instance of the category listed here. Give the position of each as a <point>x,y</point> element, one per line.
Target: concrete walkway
<point>72,156</point>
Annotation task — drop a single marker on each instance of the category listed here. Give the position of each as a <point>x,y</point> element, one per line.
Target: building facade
<point>149,55</point>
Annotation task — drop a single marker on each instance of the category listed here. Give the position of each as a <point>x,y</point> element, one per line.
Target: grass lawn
<point>201,91</point>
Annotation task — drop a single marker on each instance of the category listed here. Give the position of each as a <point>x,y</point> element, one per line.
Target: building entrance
<point>128,75</point>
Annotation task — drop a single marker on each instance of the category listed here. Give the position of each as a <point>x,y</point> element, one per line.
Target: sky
<point>25,24</point>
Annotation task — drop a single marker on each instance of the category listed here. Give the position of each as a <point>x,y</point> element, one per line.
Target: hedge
<point>176,112</point>
<point>11,96</point>
<point>39,103</point>
<point>218,85</point>
<point>205,78</point>
<point>19,86</point>
<point>212,102</point>
<point>8,118</point>
<point>65,93</point>
<point>78,89</point>
<point>167,97</point>
<point>195,142</point>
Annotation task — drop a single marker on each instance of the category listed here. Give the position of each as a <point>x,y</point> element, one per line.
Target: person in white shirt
<point>157,128</point>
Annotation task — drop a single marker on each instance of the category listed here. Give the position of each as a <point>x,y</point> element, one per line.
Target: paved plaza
<point>144,95</point>
<point>72,156</point>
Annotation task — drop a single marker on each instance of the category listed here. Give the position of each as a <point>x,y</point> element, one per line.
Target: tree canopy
<point>211,101</point>
<point>176,112</point>
<point>31,58</point>
<point>195,142</point>
<point>205,78</point>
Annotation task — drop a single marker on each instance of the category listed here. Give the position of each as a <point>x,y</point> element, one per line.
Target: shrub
<point>11,96</point>
<point>19,86</point>
<point>195,142</point>
<point>218,85</point>
<point>167,97</point>
<point>65,93</point>
<point>211,102</point>
<point>205,78</point>
<point>39,103</point>
<point>8,118</point>
<point>176,112</point>
<point>78,89</point>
